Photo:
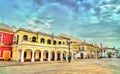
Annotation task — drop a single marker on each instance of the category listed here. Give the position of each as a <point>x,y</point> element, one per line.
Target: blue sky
<point>96,21</point>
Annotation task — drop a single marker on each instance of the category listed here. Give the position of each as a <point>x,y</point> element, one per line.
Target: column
<point>32,56</point>
<point>41,56</point>
<point>66,56</point>
<point>71,56</point>
<point>49,59</point>
<point>84,55</point>
<point>18,56</point>
<point>55,56</point>
<point>61,56</point>
<point>22,56</point>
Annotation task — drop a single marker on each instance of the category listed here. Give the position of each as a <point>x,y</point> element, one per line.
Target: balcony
<point>41,44</point>
<point>29,43</point>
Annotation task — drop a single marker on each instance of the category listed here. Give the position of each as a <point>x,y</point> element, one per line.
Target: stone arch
<point>88,56</point>
<point>37,55</point>
<point>58,55</point>
<point>28,55</point>
<point>92,56</point>
<point>52,57</point>
<point>81,55</point>
<point>45,55</point>
<point>64,55</point>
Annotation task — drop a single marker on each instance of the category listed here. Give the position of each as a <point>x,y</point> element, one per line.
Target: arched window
<point>48,41</point>
<point>83,48</point>
<point>25,37</point>
<point>63,43</point>
<point>54,42</point>
<point>33,39</point>
<point>42,40</point>
<point>59,43</point>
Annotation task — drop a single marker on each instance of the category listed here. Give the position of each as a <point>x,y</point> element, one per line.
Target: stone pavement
<point>88,66</point>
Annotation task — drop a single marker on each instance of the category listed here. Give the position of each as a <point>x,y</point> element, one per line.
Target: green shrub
<point>109,54</point>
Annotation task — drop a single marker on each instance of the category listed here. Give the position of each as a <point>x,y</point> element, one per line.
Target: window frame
<point>33,39</point>
<point>59,43</point>
<point>25,37</point>
<point>42,41</point>
<point>63,43</point>
<point>48,41</point>
<point>54,42</point>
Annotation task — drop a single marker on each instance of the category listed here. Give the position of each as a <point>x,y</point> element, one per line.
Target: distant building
<point>104,52</point>
<point>86,50</point>
<point>83,50</point>
<point>6,39</point>
<point>118,53</point>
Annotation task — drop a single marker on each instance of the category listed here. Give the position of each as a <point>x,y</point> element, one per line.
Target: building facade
<point>83,50</point>
<point>33,46</point>
<point>86,50</point>
<point>104,52</point>
<point>6,40</point>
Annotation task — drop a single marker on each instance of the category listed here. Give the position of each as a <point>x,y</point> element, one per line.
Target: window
<point>17,39</point>
<point>48,41</point>
<point>33,39</point>
<point>63,43</point>
<point>25,37</point>
<point>54,42</point>
<point>0,38</point>
<point>42,40</point>
<point>59,43</point>
<point>83,48</point>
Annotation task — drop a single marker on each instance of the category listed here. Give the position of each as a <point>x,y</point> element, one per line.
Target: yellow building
<point>86,50</point>
<point>83,50</point>
<point>37,46</point>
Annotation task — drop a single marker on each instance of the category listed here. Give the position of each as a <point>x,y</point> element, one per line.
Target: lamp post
<point>69,56</point>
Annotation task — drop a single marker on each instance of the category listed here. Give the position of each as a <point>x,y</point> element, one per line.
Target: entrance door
<point>82,55</point>
<point>6,55</point>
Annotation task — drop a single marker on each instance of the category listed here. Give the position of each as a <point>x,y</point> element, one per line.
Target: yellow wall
<point>24,45</point>
<point>39,36</point>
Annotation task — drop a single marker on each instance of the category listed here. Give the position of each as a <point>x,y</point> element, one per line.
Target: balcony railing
<point>41,44</point>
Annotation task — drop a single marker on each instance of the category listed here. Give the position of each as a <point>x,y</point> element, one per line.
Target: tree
<point>109,54</point>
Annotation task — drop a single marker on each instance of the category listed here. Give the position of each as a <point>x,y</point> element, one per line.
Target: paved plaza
<point>87,66</point>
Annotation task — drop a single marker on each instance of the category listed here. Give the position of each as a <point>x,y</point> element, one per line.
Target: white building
<point>104,52</point>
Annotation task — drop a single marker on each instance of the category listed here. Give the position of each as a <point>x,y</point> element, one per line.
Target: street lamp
<point>69,56</point>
